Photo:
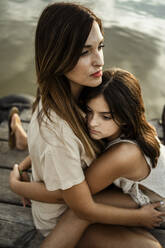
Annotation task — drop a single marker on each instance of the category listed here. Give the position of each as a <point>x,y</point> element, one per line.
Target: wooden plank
<point>16,224</point>
<point>15,221</point>
<point>9,157</point>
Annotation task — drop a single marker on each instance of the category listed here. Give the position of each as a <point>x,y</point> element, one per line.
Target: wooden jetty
<point>16,224</point>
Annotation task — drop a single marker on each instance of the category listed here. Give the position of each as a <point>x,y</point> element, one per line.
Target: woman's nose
<point>98,59</point>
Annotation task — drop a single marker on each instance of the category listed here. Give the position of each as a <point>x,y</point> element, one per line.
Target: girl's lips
<point>93,131</point>
<point>97,74</point>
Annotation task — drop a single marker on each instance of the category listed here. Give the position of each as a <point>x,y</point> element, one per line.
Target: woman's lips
<point>97,74</point>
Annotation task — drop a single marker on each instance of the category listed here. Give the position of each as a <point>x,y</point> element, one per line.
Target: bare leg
<point>67,232</point>
<point>20,134</point>
<point>109,236</point>
<point>98,236</point>
<point>70,228</point>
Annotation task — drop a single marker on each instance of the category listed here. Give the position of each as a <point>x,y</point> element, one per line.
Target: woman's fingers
<point>157,204</point>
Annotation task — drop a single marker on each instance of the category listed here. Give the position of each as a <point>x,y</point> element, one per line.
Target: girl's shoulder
<point>125,150</point>
<point>129,158</point>
<point>120,140</point>
<point>124,147</point>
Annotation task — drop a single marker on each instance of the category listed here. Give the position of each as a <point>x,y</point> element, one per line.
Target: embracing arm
<point>25,164</point>
<point>119,161</point>
<point>79,199</point>
<point>37,191</point>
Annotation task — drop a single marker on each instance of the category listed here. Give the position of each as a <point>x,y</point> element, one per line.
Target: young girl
<point>115,113</point>
<point>68,57</point>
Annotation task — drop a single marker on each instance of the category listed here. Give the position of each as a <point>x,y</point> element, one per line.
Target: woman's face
<point>99,120</point>
<point>88,70</point>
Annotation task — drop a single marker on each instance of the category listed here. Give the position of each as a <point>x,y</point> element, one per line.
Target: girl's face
<point>88,70</point>
<point>99,120</point>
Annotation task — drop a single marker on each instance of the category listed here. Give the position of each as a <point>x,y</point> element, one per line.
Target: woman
<point>69,57</point>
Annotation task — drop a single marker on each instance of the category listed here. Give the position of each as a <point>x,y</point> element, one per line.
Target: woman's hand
<point>20,184</point>
<point>149,216</point>
<point>16,176</point>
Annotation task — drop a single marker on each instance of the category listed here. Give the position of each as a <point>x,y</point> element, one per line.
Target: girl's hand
<point>149,216</point>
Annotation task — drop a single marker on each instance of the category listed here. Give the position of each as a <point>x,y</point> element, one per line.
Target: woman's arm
<point>114,163</point>
<point>79,199</point>
<point>32,190</point>
<point>25,164</point>
<point>93,211</point>
<point>120,161</point>
<point>98,175</point>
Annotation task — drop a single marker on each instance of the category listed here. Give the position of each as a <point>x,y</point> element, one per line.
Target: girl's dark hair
<point>61,33</point>
<point>122,93</point>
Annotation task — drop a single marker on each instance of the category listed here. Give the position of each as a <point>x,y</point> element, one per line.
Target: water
<point>134,40</point>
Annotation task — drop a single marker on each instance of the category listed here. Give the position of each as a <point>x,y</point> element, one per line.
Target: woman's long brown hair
<point>61,33</point>
<point>122,93</point>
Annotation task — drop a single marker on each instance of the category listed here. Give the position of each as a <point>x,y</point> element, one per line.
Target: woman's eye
<point>101,46</point>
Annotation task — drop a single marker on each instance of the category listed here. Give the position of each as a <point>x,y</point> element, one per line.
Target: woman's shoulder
<point>60,130</point>
<point>53,129</point>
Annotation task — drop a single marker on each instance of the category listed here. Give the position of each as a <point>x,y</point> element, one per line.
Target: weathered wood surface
<point>16,225</point>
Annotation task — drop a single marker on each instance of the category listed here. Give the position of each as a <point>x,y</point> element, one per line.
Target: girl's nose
<point>93,122</point>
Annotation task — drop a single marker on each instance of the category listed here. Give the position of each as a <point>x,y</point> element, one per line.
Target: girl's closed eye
<point>88,110</point>
<point>107,117</point>
<point>84,53</point>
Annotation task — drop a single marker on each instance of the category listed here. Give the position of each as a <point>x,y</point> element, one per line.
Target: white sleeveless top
<point>152,188</point>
